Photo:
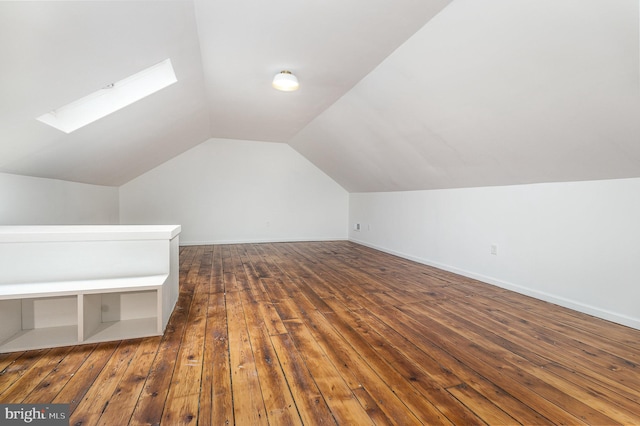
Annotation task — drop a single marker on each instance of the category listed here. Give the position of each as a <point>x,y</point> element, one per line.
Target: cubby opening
<point>38,322</point>
<point>114,316</point>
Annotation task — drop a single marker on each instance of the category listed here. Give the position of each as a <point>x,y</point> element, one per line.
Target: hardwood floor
<point>333,332</point>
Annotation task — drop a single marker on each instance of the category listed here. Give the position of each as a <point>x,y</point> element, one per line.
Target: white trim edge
<point>259,241</point>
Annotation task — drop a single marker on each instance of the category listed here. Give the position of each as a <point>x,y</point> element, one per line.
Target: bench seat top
<point>65,288</point>
<point>21,234</point>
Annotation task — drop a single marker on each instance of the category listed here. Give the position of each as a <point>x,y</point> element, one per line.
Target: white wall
<point>36,201</point>
<point>226,191</point>
<point>575,244</point>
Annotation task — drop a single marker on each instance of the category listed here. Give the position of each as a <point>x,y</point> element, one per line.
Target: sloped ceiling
<point>395,95</point>
<point>329,44</point>
<point>492,92</point>
<point>54,53</point>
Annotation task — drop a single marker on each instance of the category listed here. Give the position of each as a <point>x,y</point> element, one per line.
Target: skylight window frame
<point>111,98</point>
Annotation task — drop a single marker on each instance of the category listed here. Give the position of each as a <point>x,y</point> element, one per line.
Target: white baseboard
<point>547,297</point>
<point>258,241</point>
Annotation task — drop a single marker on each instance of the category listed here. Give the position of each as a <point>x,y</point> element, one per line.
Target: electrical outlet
<point>494,249</point>
<point>356,227</point>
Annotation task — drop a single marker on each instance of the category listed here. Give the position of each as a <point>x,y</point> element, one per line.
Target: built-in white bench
<point>65,285</point>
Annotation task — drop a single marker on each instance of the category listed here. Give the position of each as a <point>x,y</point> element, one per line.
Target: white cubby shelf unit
<point>68,285</point>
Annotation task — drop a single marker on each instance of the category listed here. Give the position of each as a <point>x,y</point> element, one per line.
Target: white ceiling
<point>395,95</point>
<point>56,52</point>
<point>492,92</point>
<point>328,44</point>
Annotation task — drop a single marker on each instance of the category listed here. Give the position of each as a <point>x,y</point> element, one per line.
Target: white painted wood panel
<point>110,283</point>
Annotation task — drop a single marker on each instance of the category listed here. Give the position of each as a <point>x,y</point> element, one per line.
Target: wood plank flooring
<point>337,333</point>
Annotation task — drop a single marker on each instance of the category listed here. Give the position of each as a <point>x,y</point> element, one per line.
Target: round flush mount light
<point>285,81</point>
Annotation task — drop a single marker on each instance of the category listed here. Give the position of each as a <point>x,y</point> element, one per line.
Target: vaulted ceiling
<point>395,95</point>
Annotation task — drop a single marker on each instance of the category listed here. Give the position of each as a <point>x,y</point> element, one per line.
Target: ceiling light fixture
<point>285,81</point>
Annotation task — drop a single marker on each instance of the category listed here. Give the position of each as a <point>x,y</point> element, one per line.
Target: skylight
<point>111,98</point>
